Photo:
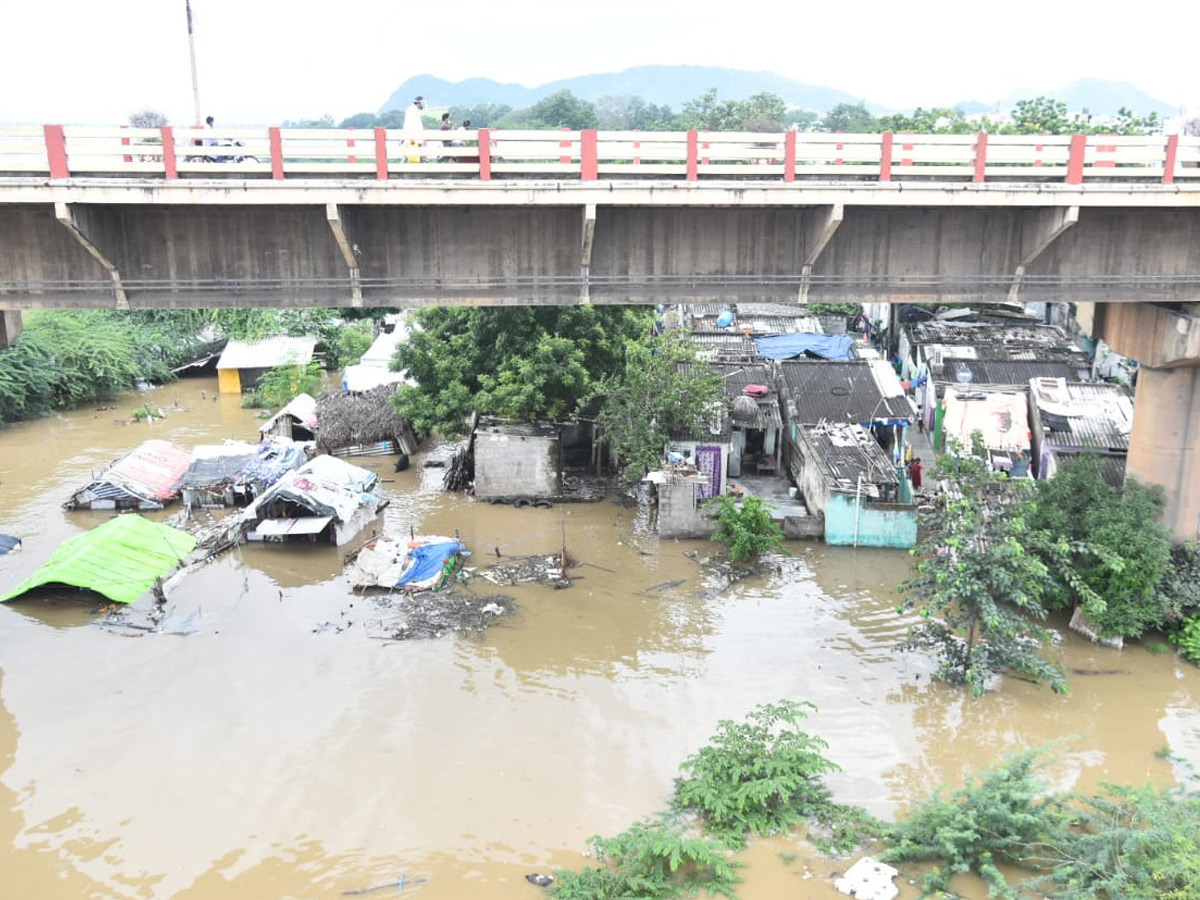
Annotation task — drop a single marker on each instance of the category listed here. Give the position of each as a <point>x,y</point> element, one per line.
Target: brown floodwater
<point>276,750</point>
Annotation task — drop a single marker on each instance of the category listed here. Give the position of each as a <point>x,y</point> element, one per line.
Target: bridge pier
<point>10,327</point>
<point>1164,447</point>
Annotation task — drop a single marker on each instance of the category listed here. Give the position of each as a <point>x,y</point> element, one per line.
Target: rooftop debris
<point>420,564</point>
<point>121,559</point>
<point>551,570</point>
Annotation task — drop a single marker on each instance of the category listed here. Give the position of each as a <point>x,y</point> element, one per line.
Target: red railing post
<point>56,151</point>
<point>276,153</point>
<point>350,146</point>
<point>589,155</point>
<point>381,157</point>
<point>637,145</point>
<point>704,146</point>
<point>564,144</point>
<point>170,162</point>
<point>1076,158</point>
<point>125,143</point>
<point>485,154</point>
<point>789,156</point>
<point>693,155</point>
<point>1169,162</point>
<point>907,148</point>
<point>841,146</point>
<point>980,156</point>
<point>885,156</point>
<point>1105,148</point>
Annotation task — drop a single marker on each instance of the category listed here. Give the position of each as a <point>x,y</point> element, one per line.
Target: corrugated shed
<point>851,391</point>
<point>989,335</point>
<point>120,559</point>
<point>847,451</point>
<point>326,485</point>
<point>1084,415</point>
<point>267,353</point>
<point>1001,416</point>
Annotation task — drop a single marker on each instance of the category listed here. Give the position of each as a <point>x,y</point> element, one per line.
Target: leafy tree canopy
<point>655,391</point>
<point>513,362</point>
<point>560,110</point>
<point>980,579</point>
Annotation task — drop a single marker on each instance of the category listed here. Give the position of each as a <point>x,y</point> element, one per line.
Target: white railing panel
<point>1025,173</point>
<point>944,171</point>
<point>643,170</point>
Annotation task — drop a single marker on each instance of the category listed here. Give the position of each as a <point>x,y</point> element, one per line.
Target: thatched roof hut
<point>363,423</point>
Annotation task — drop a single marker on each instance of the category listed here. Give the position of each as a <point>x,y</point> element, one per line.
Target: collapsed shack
<point>296,422</point>
<point>363,423</point>
<point>550,570</point>
<point>145,478</point>
<point>234,473</point>
<point>326,498</point>
<point>420,564</point>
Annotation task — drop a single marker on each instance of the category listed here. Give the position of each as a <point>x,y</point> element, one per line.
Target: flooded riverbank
<point>278,751</point>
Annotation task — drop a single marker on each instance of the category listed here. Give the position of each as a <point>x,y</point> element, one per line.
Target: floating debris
<point>549,570</point>
<point>406,617</point>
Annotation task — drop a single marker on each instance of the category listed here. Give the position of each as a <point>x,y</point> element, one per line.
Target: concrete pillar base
<point>1164,447</point>
<point>10,327</point>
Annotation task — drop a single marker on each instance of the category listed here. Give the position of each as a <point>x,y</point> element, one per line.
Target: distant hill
<point>675,85</point>
<point>1100,97</point>
<point>672,85</point>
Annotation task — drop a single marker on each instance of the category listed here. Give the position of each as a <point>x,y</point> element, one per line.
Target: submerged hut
<point>147,477</point>
<point>363,423</point>
<point>297,421</point>
<point>243,363</point>
<point>234,473</point>
<point>325,499</point>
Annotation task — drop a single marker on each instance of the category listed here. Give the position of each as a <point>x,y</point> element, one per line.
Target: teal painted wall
<point>879,525</point>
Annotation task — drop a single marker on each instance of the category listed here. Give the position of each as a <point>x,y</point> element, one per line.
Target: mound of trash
<point>431,614</point>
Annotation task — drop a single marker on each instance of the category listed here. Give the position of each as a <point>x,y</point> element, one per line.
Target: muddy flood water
<point>277,750</point>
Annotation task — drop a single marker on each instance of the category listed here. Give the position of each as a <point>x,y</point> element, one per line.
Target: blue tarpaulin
<point>789,346</point>
<point>427,560</point>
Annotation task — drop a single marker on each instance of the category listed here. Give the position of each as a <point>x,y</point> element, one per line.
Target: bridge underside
<point>72,255</point>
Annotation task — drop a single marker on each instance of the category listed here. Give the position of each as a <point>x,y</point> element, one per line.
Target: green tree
<point>659,389</point>
<point>629,113</point>
<point>359,120</point>
<point>513,362</point>
<point>352,341</point>
<point>1040,115</point>
<point>980,579</point>
<point>280,385</point>
<point>745,526</point>
<point>1122,550</point>
<point>707,113</point>
<point>481,115</point>
<point>561,109</point>
<point>851,118</point>
<point>929,121</point>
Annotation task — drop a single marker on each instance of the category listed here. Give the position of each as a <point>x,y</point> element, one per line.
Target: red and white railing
<point>60,152</point>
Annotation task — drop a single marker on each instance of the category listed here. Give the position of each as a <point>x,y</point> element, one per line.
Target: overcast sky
<point>260,62</point>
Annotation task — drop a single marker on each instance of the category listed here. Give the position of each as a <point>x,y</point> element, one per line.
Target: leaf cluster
<point>511,362</point>
<point>745,526</point>
<point>659,390</point>
<point>1125,843</point>
<point>980,579</point>
<point>279,386</point>
<point>996,818</point>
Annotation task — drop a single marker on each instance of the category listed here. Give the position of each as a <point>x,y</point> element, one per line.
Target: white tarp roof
<point>326,485</point>
<point>283,527</point>
<point>303,407</point>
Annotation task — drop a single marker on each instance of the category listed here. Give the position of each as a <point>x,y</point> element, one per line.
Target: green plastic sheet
<point>120,559</point>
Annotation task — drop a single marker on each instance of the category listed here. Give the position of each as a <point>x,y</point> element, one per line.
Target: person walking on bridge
<point>414,128</point>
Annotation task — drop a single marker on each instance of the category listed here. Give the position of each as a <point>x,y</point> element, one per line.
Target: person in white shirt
<point>414,129</point>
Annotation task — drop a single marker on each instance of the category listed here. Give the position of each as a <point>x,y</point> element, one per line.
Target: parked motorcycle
<point>222,158</point>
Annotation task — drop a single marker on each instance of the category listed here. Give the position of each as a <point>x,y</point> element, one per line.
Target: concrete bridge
<point>129,218</point>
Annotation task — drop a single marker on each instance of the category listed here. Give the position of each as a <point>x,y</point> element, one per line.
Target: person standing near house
<point>914,473</point>
<point>414,129</point>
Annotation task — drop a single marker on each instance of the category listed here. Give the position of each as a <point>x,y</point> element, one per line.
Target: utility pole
<point>192,53</point>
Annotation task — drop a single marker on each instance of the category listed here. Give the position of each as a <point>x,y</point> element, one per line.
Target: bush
<point>651,860</point>
<point>277,387</point>
<point>994,819</point>
<point>745,527</point>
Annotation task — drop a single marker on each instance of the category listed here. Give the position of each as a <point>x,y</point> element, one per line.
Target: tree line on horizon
<point>761,112</point>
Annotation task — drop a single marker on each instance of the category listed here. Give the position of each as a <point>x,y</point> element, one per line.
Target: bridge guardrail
<point>69,151</point>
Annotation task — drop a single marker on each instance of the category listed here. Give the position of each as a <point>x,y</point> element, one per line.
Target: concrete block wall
<point>879,524</point>
<point>516,465</point>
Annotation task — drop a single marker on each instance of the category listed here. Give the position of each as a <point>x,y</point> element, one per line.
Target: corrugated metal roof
<point>1006,372</point>
<point>853,391</point>
<point>846,451</point>
<point>989,334</point>
<point>267,353</point>
<point>303,408</point>
<point>736,377</point>
<point>1112,467</point>
<point>1096,416</point>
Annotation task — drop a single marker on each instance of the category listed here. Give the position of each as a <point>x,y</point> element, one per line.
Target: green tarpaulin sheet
<point>120,559</point>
